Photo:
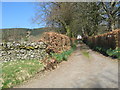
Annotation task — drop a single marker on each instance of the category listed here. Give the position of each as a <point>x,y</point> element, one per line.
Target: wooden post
<point>116,39</point>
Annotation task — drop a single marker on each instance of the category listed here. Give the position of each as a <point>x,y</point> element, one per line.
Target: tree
<point>109,12</point>
<point>58,15</point>
<point>72,18</point>
<point>88,18</point>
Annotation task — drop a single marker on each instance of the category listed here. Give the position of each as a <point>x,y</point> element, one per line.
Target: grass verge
<point>86,54</point>
<point>62,56</point>
<point>15,72</point>
<point>114,53</point>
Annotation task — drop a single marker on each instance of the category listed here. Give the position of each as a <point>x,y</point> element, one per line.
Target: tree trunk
<point>119,21</point>
<point>113,26</point>
<point>109,26</point>
<point>68,33</point>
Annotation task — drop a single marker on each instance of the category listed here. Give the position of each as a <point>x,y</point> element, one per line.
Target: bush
<point>108,52</point>
<point>62,56</point>
<point>106,40</point>
<point>74,46</point>
<point>114,53</point>
<point>56,42</point>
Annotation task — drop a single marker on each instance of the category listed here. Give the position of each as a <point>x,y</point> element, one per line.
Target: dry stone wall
<point>50,42</point>
<point>10,51</point>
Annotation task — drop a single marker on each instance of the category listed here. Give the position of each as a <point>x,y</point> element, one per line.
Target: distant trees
<point>20,34</point>
<point>13,34</point>
<point>73,18</point>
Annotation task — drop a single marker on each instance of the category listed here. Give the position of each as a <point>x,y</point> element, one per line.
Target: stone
<point>32,56</point>
<point>19,50</point>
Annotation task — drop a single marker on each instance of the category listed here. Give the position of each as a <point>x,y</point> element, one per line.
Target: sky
<point>18,15</point>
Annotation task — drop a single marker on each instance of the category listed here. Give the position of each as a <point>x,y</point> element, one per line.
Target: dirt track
<point>80,71</point>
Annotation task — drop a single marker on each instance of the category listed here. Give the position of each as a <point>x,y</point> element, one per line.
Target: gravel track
<point>80,71</point>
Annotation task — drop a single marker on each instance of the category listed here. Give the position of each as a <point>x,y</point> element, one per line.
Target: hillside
<point>20,33</point>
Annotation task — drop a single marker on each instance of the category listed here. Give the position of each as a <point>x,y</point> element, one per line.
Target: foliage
<point>114,53</point>
<point>106,51</point>
<point>62,56</point>
<point>110,13</point>
<point>84,18</point>
<point>74,43</point>
<point>56,42</point>
<point>101,50</point>
<point>15,72</point>
<point>105,43</point>
<point>71,18</point>
<point>74,46</point>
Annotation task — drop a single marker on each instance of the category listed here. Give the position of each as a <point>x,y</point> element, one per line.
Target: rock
<point>9,53</point>
<point>32,56</point>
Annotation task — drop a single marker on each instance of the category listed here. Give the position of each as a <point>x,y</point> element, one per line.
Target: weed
<point>105,51</point>
<point>114,53</point>
<point>85,53</point>
<point>62,56</point>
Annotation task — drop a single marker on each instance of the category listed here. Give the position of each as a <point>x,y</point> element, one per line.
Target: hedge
<point>106,40</point>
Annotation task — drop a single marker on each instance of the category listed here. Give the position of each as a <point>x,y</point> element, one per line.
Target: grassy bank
<point>114,53</point>
<point>64,55</point>
<point>15,72</point>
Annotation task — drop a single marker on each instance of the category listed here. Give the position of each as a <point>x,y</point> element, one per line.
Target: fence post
<point>118,34</point>
<point>116,39</point>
